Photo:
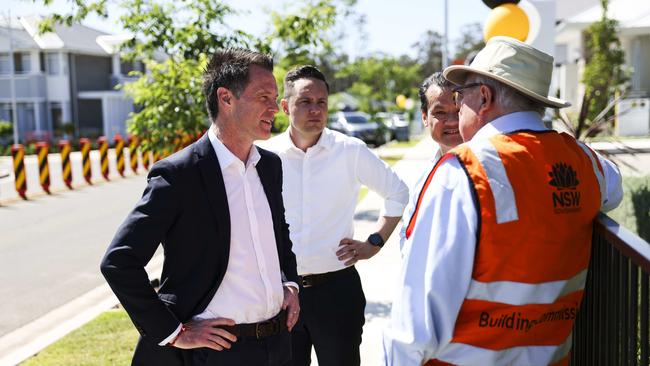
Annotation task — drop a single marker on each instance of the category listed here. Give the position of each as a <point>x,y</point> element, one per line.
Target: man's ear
<point>487,98</point>
<point>224,96</point>
<point>425,120</point>
<point>285,106</point>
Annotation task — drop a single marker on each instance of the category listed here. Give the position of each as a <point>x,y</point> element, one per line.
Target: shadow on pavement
<point>377,310</point>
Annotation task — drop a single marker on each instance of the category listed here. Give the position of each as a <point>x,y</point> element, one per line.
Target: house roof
<point>631,15</point>
<point>77,38</point>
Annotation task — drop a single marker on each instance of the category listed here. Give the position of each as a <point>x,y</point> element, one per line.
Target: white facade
<point>634,22</point>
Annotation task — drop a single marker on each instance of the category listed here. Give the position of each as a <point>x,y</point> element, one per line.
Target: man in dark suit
<point>228,292</point>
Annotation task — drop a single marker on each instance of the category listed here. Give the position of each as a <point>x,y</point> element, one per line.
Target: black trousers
<point>331,319</point>
<point>271,351</point>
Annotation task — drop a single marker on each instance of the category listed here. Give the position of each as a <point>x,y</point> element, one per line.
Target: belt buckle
<point>266,328</point>
<point>305,282</point>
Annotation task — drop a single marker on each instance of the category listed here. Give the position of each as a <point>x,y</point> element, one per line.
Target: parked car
<point>359,125</point>
<point>397,124</point>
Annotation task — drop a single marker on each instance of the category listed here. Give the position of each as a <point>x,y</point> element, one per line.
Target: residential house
<point>574,18</point>
<point>65,76</point>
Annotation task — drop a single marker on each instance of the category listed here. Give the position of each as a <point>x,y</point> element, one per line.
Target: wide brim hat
<point>514,63</point>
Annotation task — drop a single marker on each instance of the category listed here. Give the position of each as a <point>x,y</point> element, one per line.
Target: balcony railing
<point>613,325</point>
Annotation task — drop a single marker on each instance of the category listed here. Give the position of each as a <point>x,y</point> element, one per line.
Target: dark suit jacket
<point>185,208</point>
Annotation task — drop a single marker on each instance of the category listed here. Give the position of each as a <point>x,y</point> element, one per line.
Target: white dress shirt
<point>439,255</point>
<point>320,191</point>
<point>251,290</point>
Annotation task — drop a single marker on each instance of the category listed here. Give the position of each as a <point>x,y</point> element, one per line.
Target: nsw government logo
<point>567,198</point>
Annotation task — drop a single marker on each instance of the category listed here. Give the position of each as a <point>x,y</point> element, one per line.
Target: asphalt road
<point>50,247</point>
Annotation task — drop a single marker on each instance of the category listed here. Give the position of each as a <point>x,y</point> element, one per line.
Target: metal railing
<point>613,325</point>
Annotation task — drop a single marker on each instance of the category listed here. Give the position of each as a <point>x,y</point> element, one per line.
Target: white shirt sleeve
<point>380,178</point>
<point>436,270</point>
<point>171,336</point>
<point>613,184</point>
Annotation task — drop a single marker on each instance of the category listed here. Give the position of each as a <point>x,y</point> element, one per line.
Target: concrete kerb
<point>24,342</point>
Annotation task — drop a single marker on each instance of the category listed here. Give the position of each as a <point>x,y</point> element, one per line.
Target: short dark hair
<point>302,72</point>
<point>435,79</point>
<point>229,68</point>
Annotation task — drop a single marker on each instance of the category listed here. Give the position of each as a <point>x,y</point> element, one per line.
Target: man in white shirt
<point>228,293</point>
<point>440,118</point>
<point>323,171</point>
<point>491,251</point>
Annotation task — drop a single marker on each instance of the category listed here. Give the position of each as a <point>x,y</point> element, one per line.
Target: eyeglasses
<point>457,92</point>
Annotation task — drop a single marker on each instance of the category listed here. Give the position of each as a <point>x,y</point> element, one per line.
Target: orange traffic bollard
<point>18,154</point>
<point>103,155</point>
<point>42,149</point>
<point>133,154</point>
<point>119,154</point>
<point>84,146</point>
<point>66,167</point>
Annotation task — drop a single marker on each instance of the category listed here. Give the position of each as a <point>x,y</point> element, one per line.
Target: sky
<point>392,27</point>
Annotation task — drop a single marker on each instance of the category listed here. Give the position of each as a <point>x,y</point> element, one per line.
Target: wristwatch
<point>376,240</point>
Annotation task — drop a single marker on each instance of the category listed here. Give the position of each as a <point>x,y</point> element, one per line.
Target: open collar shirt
<point>438,257</point>
<point>320,191</point>
<point>251,290</point>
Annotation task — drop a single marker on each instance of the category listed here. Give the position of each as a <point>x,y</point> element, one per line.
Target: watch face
<point>376,240</point>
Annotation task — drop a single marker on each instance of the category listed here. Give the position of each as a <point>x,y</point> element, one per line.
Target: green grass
<point>109,339</point>
<point>634,211</point>
<point>404,144</point>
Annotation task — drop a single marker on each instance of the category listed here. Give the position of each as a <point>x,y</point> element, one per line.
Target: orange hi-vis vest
<point>537,194</point>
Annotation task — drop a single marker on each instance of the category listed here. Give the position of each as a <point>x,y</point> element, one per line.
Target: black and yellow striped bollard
<point>84,146</point>
<point>133,154</point>
<point>156,155</point>
<point>66,166</point>
<point>42,149</point>
<point>119,153</point>
<point>102,143</point>
<point>18,154</point>
<point>146,159</point>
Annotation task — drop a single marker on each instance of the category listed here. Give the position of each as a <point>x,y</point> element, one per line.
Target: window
<point>6,113</point>
<point>22,62</point>
<point>56,113</point>
<point>52,63</point>
<point>4,64</point>
<point>128,66</point>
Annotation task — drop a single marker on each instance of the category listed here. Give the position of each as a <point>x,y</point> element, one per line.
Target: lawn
<point>634,212</point>
<point>109,339</point>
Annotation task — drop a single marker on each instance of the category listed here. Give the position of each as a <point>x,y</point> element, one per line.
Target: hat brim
<point>457,74</point>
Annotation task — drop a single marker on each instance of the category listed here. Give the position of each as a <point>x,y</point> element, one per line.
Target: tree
<point>469,42</point>
<point>309,35</point>
<point>603,77</point>
<point>174,39</point>
<point>429,53</point>
<point>378,80</point>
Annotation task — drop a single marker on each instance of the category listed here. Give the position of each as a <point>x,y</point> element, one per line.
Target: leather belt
<point>320,278</point>
<point>260,330</point>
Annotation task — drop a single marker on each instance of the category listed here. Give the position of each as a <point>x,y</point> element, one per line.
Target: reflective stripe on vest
<point>598,170</point>
<point>531,355</point>
<point>412,220</point>
<point>504,197</point>
<point>538,193</point>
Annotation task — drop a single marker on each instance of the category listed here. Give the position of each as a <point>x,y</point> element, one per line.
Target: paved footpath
<point>378,275</point>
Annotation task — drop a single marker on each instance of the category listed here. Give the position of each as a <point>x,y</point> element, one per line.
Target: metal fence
<point>613,325</point>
